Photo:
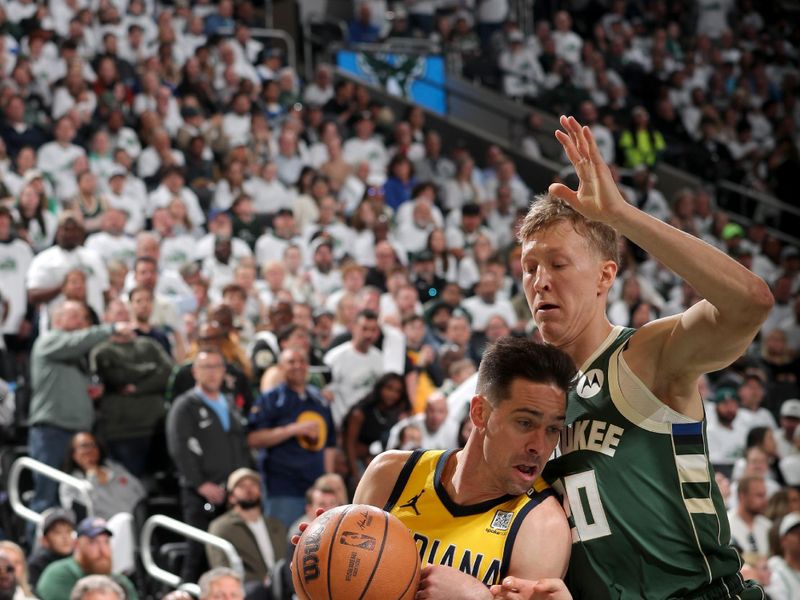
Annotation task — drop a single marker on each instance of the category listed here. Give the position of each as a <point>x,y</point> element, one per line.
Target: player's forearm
<point>736,292</point>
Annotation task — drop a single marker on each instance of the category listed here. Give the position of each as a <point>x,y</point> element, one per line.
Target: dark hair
<point>144,260</point>
<point>755,437</point>
<point>140,288</point>
<point>510,358</point>
<point>368,314</point>
<point>287,330</point>
<point>69,462</point>
<point>373,398</point>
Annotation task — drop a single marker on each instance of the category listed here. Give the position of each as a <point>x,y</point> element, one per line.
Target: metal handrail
<point>280,34</point>
<point>83,487</point>
<point>309,38</point>
<point>193,533</point>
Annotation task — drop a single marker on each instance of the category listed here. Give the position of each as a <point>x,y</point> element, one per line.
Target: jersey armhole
<point>535,500</point>
<point>402,479</point>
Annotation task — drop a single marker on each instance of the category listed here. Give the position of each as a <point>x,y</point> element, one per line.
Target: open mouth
<point>528,471</point>
<point>546,307</point>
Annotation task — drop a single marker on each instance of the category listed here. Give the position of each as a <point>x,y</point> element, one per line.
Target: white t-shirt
<point>482,311</point>
<point>725,445</point>
<point>755,539</point>
<point>112,247</point>
<point>259,529</point>
<point>353,375</point>
<point>50,266</point>
<point>56,161</point>
<point>176,251</point>
<point>444,438</point>
<point>15,258</point>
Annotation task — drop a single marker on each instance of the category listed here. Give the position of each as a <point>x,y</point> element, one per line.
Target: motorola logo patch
<point>590,383</point>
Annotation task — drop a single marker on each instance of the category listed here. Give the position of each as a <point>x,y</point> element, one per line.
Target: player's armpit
<point>378,481</point>
<point>543,543</point>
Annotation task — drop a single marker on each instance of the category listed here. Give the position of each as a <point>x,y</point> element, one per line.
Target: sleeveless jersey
<point>647,518</point>
<point>475,539</point>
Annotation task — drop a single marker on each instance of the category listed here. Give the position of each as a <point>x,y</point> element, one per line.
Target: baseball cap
<point>239,474</point>
<point>791,408</point>
<point>284,212</point>
<point>56,515</point>
<point>216,212</point>
<point>423,256</point>
<point>91,527</point>
<point>789,252</point>
<point>32,175</point>
<point>117,170</point>
<point>788,523</point>
<point>732,230</point>
<point>725,393</point>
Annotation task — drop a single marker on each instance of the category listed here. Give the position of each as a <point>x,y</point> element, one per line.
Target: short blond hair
<point>548,210</point>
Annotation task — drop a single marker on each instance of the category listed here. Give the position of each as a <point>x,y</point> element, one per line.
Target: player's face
<point>565,283</point>
<point>521,433</point>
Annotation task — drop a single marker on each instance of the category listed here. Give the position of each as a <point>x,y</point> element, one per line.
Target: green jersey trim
<point>649,412</point>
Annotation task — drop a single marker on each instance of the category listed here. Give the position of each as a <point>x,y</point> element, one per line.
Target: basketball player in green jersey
<point>647,518</point>
<point>481,513</point>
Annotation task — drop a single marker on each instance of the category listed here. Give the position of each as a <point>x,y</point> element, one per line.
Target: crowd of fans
<point>711,87</point>
<point>226,283</point>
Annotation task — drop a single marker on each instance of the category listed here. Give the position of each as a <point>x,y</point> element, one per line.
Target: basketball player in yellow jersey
<point>481,513</point>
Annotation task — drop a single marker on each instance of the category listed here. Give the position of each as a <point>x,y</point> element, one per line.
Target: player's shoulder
<point>389,463</point>
<point>547,520</point>
<point>649,340</point>
<point>380,477</point>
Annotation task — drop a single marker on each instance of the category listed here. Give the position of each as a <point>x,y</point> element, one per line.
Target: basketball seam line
<point>380,554</point>
<point>417,567</point>
<point>331,546</point>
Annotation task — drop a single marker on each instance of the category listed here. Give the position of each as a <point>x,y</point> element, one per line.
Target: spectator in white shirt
<point>364,147</point>
<point>523,76</point>
<point>320,90</point>
<point>56,158</point>
<point>438,431</point>
<point>172,186</point>
<point>568,43</point>
<point>485,303</point>
<point>355,366</point>
<point>749,527</point>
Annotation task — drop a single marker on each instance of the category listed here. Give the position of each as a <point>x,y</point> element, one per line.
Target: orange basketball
<point>356,552</point>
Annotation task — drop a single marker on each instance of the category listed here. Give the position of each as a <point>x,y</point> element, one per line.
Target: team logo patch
<point>502,520</point>
<point>590,383</point>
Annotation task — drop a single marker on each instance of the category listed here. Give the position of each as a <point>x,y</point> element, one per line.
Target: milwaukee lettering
<point>462,559</point>
<point>597,436</point>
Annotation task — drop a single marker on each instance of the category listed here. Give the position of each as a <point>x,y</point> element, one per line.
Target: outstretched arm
<point>669,355</point>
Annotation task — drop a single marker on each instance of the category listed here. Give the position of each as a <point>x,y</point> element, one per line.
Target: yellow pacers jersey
<point>476,539</point>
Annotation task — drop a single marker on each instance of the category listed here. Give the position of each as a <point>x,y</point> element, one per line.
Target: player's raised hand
<point>597,197</point>
<point>514,588</point>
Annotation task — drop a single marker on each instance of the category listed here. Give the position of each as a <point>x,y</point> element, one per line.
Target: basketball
<point>356,551</point>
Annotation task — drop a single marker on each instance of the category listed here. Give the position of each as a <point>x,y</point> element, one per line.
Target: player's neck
<point>587,342</point>
<point>466,480</point>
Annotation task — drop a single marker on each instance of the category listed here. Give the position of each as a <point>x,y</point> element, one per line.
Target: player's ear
<point>479,409</point>
<point>608,272</point>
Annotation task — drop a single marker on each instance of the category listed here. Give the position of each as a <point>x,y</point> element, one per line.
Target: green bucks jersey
<point>647,518</point>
